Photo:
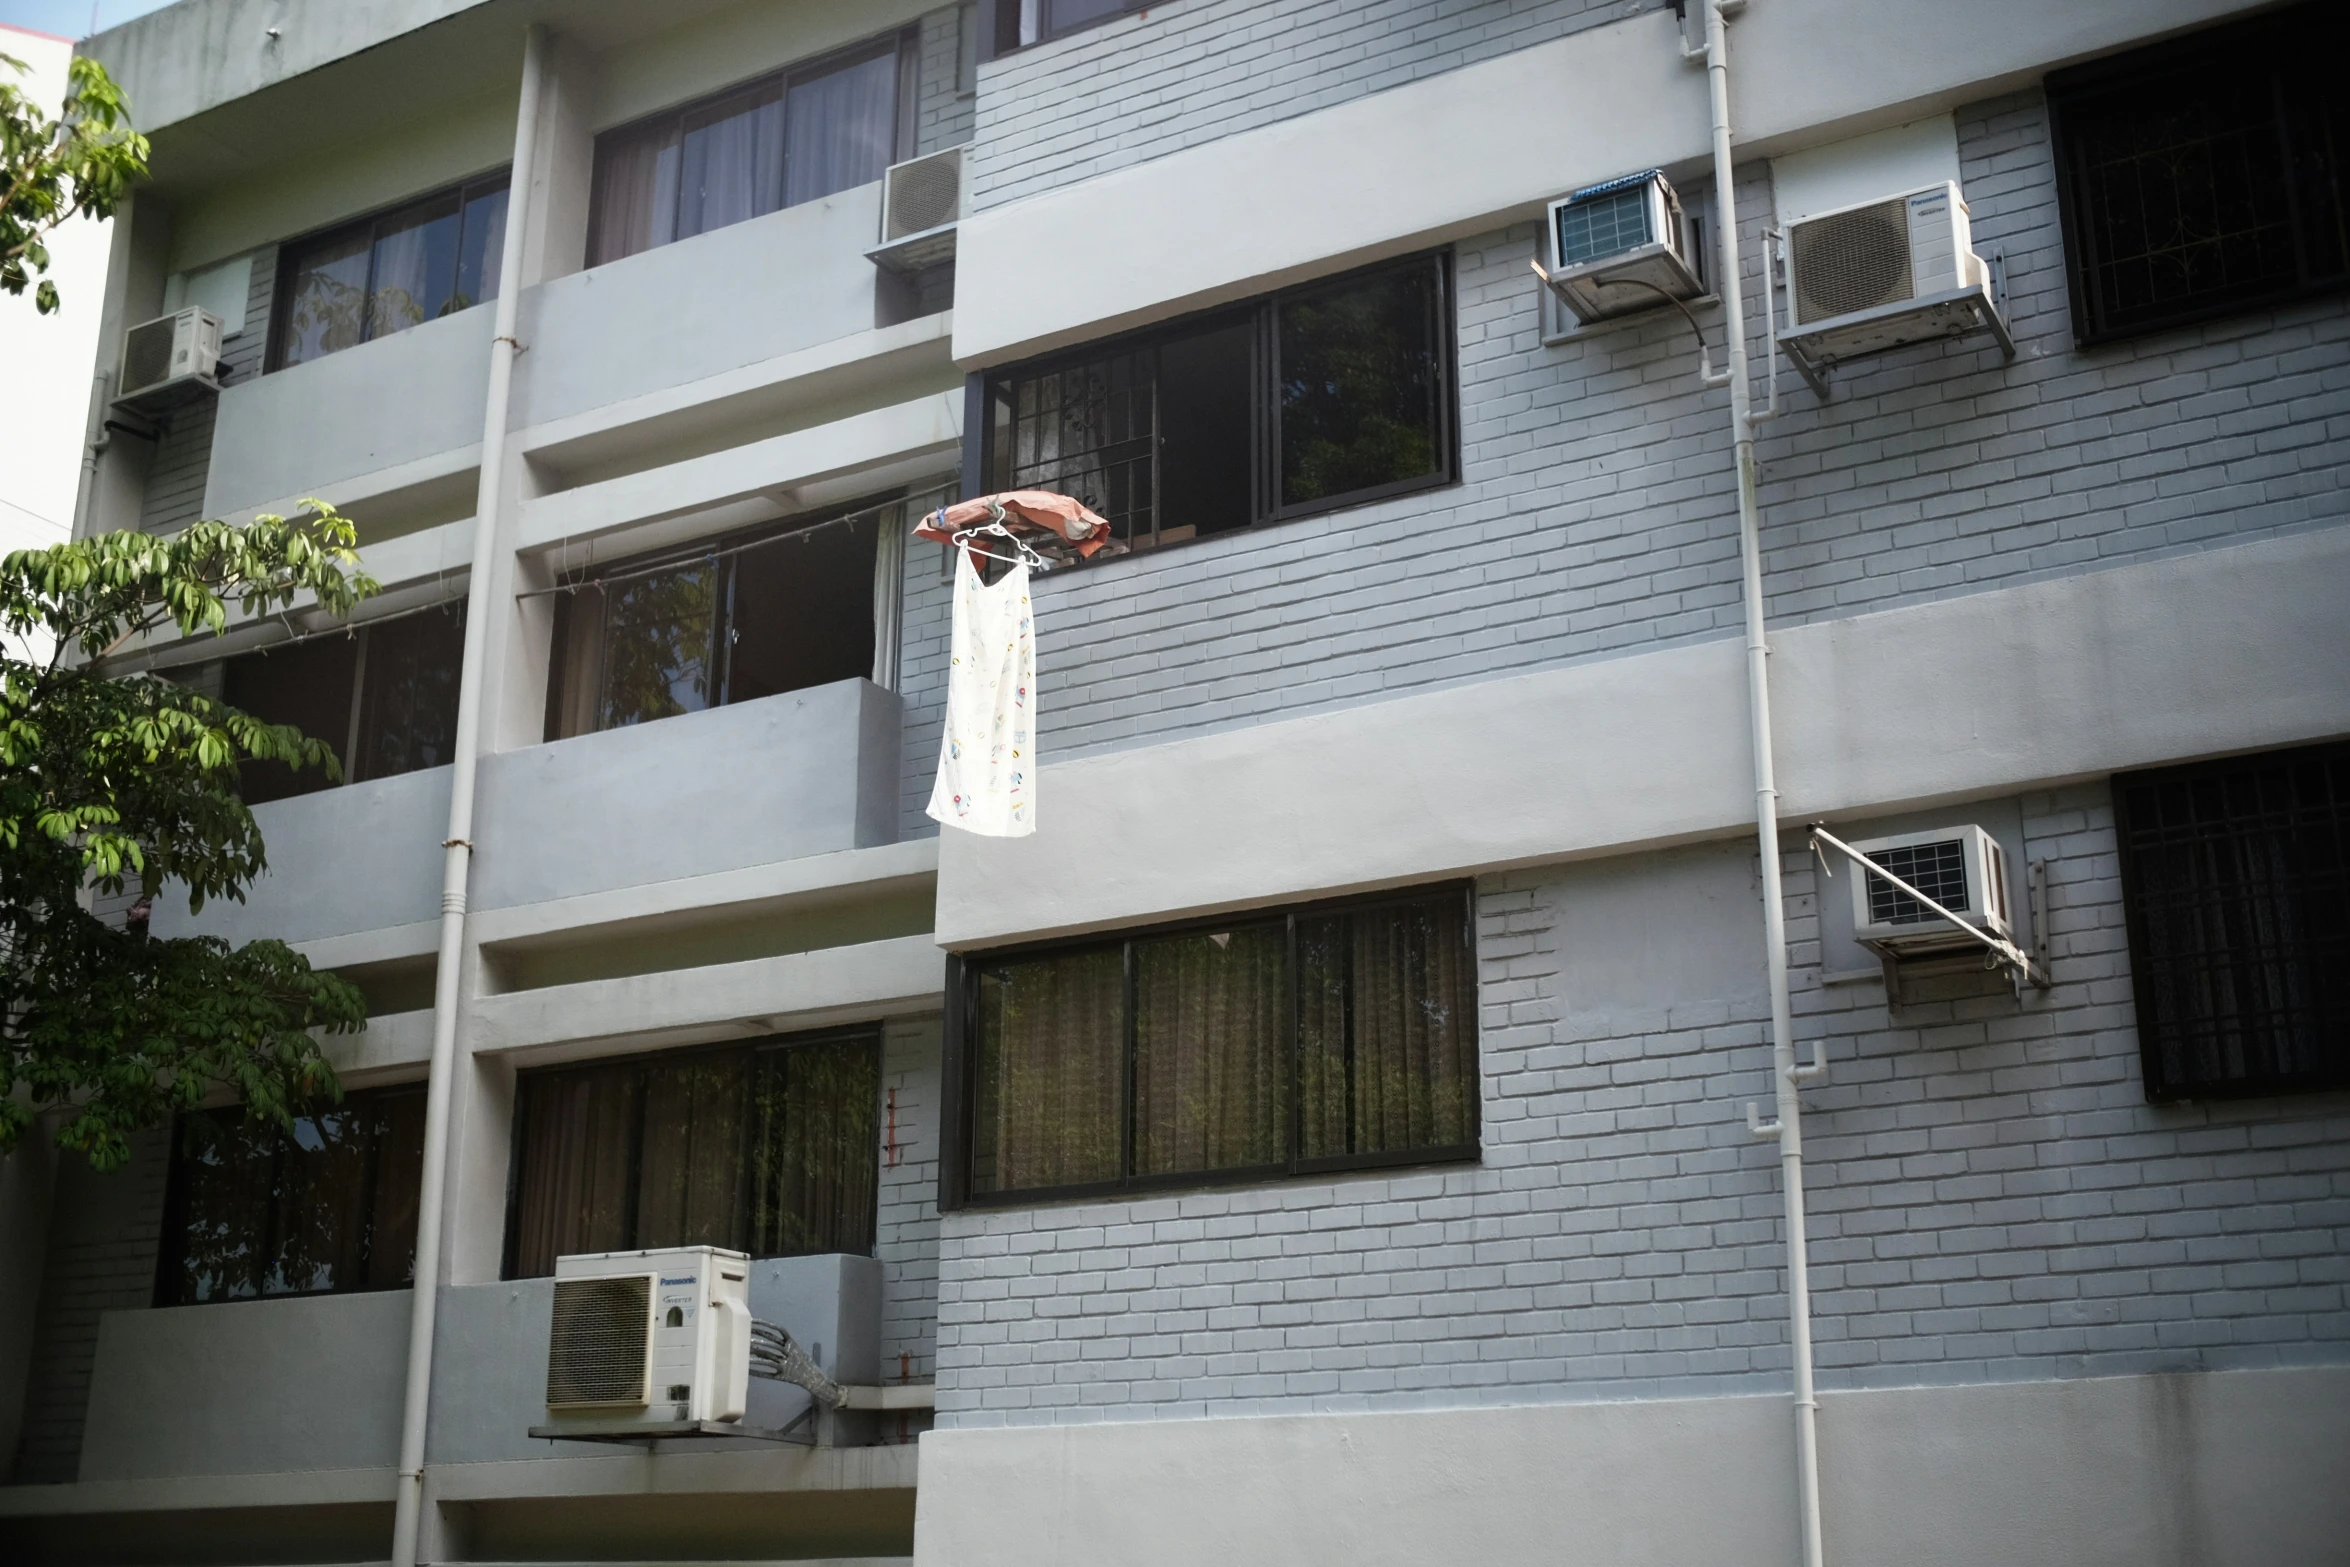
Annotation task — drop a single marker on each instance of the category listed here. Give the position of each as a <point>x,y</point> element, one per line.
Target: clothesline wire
<point>692,557</point>
<point>293,638</point>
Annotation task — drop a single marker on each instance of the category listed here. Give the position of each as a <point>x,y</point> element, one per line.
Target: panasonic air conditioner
<point>169,354</point>
<point>658,1339</point>
<point>1619,247</point>
<point>921,202</point>
<point>1880,274</point>
<point>1961,868</point>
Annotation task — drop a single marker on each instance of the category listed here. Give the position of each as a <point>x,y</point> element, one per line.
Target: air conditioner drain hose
<point>777,1356</point>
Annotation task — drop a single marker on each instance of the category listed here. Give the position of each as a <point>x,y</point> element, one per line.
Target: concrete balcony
<point>805,773</point>
<point>312,1385</point>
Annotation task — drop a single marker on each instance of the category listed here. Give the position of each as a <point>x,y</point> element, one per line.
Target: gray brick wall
<point>942,116</point>
<point>174,496</point>
<point>922,683</point>
<point>1991,1198</point>
<point>1177,75</point>
<point>907,1239</point>
<point>1596,512</point>
<point>102,1238</point>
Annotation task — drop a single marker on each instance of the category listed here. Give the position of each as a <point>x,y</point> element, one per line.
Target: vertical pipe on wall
<point>492,568</point>
<point>1788,1126</point>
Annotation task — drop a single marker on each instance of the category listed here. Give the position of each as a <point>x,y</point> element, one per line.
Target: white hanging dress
<point>987,757</point>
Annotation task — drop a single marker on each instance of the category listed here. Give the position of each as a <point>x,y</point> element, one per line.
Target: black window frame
<point>290,252</point>
<point>902,43</point>
<point>993,388</point>
<point>171,1251</point>
<point>510,1247</point>
<point>2134,834</point>
<point>999,25</point>
<point>960,1044</point>
<point>2269,45</point>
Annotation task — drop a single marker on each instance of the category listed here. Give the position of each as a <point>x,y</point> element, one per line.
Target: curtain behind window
<point>1211,1050</point>
<point>481,249</point>
<point>766,1149</point>
<point>1387,1050</point>
<point>415,271</point>
<point>841,128</point>
<point>636,191</point>
<point>731,161</point>
<point>327,308</point>
<point>1051,1074</point>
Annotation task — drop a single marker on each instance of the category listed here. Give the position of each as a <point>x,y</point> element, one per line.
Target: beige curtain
<point>1211,1050</point>
<point>1387,1032</point>
<point>1050,1073</point>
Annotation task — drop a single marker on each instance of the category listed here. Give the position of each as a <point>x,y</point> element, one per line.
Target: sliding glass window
<point>329,1206</point>
<point>386,273</point>
<point>382,695</point>
<point>1326,395</point>
<point>771,1148</point>
<point>799,135</point>
<point>1328,1037</point>
<point>729,621</point>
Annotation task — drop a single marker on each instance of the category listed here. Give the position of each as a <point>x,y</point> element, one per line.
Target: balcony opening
<point>383,696</point>
<point>729,620</point>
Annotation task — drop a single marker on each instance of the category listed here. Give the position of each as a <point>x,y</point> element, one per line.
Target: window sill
<point>1260,1177</point>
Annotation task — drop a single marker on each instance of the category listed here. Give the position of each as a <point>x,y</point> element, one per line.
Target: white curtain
<point>733,162</point>
<point>636,192</point>
<point>842,128</point>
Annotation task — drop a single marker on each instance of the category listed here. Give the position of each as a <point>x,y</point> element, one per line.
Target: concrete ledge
<point>1989,693</point>
<point>672,1473</point>
<point>284,1488</point>
<point>691,1005</point>
<point>2158,1471</point>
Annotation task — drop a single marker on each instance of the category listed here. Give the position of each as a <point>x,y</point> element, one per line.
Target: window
<point>732,621</point>
<point>2236,887</point>
<point>383,696</point>
<point>384,274</point>
<point>796,136</point>
<point>2203,176</point>
<point>770,1148</point>
<point>1318,397</point>
<point>1329,1037</point>
<point>1015,24</point>
<point>330,1206</point>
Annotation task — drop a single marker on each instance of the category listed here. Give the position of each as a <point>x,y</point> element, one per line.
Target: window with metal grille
<point>1326,395</point>
<point>771,1148</point>
<point>2236,885</point>
<point>2204,176</point>
<point>1936,869</point>
<point>1328,1037</point>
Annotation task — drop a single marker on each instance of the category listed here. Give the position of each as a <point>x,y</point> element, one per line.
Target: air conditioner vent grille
<point>924,194</point>
<point>1936,869</point>
<point>146,355</point>
<point>1602,226</point>
<point>1852,261</point>
<point>601,1333</point>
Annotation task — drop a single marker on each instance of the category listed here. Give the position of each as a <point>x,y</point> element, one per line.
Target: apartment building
<point>1333,1136</point>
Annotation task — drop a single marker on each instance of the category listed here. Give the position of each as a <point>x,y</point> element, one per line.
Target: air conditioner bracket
<point>1816,350</point>
<point>915,252</point>
<point>1998,952</point>
<point>158,403</point>
<point>668,1431</point>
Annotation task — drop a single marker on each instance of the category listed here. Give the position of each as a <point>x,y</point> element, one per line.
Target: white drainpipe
<point>488,589</point>
<point>1787,1126</point>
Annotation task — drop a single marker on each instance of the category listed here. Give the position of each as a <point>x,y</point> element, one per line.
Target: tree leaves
<point>83,162</point>
<point>113,781</point>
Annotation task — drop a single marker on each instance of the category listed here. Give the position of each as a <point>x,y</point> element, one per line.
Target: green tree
<point>110,781</point>
<point>84,161</point>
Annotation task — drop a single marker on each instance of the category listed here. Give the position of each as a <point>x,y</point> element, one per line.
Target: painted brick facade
<point>1177,75</point>
<point>1991,1198</point>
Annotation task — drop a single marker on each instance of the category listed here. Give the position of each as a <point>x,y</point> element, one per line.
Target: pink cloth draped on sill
<point>1038,510</point>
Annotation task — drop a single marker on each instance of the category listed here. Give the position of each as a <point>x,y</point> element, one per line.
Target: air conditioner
<point>1884,273</point>
<point>921,202</point>
<point>1961,868</point>
<point>168,354</point>
<point>1620,246</point>
<point>657,1339</point>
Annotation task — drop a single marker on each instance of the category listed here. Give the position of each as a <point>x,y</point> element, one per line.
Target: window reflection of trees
<point>660,644</point>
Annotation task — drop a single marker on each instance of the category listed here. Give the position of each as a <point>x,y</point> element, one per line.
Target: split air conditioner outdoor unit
<point>169,357</point>
<point>1961,868</point>
<point>921,202</point>
<point>1881,274</point>
<point>1619,247</point>
<point>659,1340</point>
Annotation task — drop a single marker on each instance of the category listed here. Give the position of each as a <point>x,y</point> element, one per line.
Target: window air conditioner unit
<point>1884,273</point>
<point>169,357</point>
<point>1620,247</point>
<point>1961,868</point>
<point>659,1340</point>
<point>921,202</point>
